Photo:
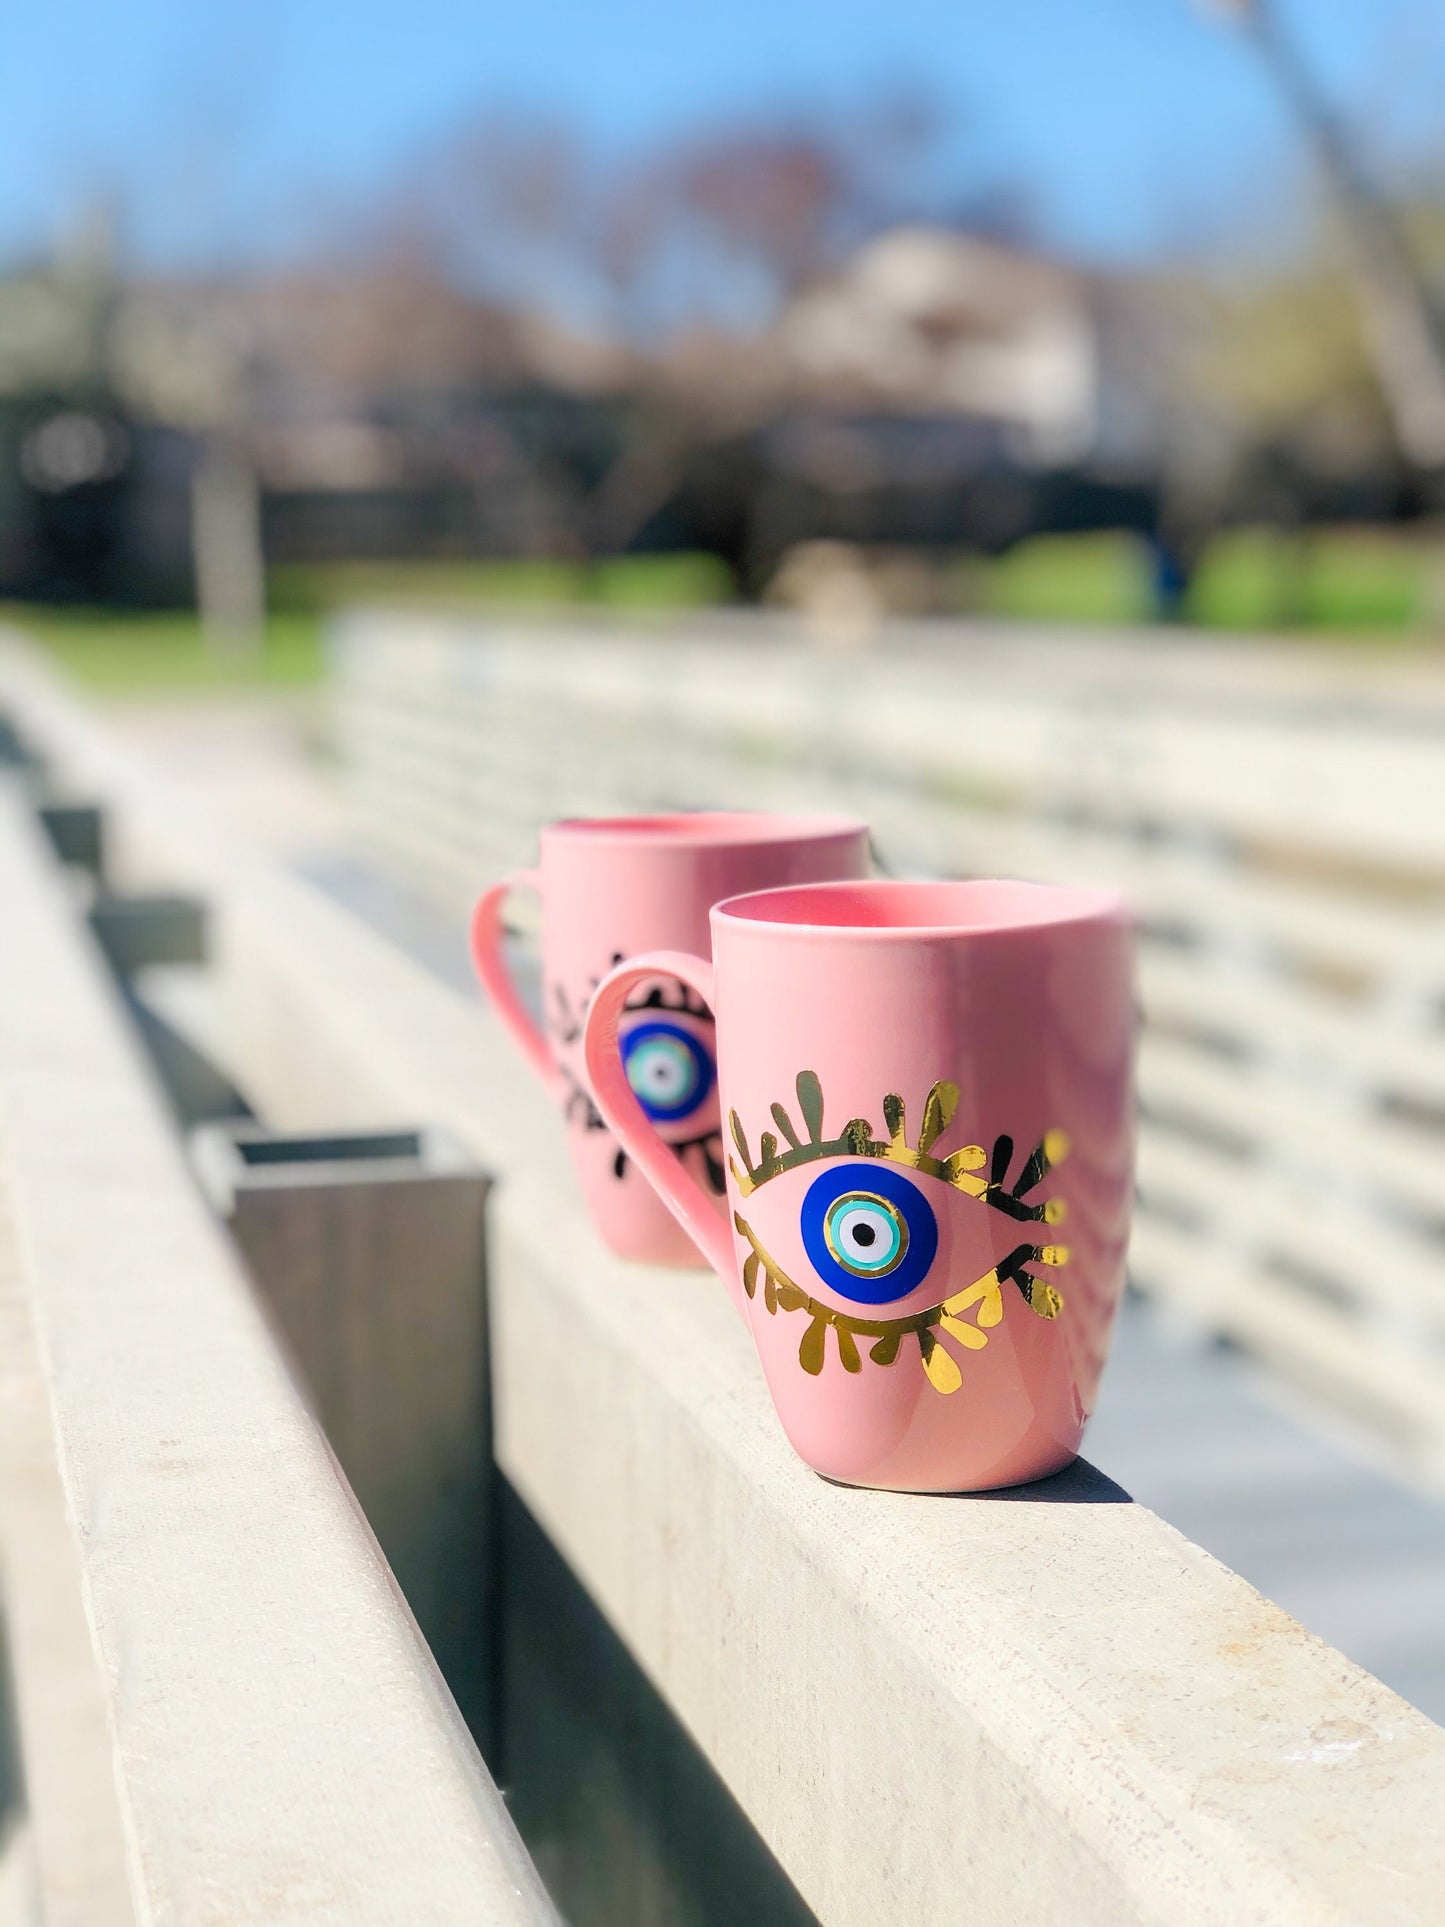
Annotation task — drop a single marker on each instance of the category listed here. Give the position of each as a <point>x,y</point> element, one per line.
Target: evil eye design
<point>866,1234</point>
<point>869,1232</point>
<point>669,1070</point>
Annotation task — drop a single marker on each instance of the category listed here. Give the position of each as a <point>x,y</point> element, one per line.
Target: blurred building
<point>939,324</point>
<point>938,391</point>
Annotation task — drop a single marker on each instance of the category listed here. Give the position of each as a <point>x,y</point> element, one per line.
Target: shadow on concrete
<point>1078,1484</point>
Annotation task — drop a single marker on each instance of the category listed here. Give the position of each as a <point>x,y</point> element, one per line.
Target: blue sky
<point>226,126</point>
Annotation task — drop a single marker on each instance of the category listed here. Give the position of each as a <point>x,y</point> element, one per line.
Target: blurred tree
<point>716,229</point>
<point>767,207</point>
<point>1403,325</point>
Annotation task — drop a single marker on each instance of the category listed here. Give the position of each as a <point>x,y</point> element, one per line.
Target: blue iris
<point>669,1070</point>
<point>870,1232</point>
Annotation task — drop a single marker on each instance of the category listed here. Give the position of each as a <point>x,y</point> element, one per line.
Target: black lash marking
<point>685,999</point>
<point>1012,1200</point>
<point>716,1175</point>
<point>1012,1268</point>
<point>669,994</point>
<point>578,1108</point>
<point>566,1026</point>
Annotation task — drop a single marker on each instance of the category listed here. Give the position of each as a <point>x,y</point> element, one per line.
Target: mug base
<point>1010,1483</point>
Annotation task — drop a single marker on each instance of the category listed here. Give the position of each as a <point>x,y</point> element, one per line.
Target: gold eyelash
<point>960,1169</point>
<point>780,1293</point>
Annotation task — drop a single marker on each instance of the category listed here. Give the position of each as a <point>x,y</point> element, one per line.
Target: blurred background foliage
<point>831,356</point>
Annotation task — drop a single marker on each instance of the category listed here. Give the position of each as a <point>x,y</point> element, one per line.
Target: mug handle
<point>679,1190</point>
<point>488,933</point>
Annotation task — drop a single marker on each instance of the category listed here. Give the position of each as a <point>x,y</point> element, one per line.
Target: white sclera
<point>883,1236</point>
<point>663,1071</point>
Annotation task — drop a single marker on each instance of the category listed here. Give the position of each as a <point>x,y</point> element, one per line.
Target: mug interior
<point>886,906</point>
<point>715,828</point>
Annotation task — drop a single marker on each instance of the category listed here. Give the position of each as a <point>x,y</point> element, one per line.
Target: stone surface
<point>280,1745</point>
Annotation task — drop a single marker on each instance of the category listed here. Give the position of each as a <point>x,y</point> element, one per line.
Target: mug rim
<point>1061,904</point>
<point>704,829</point>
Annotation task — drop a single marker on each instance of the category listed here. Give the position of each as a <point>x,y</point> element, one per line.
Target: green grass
<point>1248,579</point>
<point>637,582</point>
<point>1366,585</point>
<point>1366,581</point>
<point>317,587</point>
<point>157,652</point>
<point>1068,578</point>
<point>683,581</point>
<point>162,651</point>
<point>1357,585</point>
<point>1331,580</point>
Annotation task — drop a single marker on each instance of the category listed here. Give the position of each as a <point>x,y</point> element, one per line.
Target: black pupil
<point>864,1234</point>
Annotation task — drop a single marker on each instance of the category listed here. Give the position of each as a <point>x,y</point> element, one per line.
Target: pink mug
<point>610,887</point>
<point>928,1089</point>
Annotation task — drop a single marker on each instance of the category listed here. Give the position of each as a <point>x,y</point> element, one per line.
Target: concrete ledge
<point>62,1845</point>
<point>369,1248</point>
<point>1039,1706</point>
<point>138,931</point>
<point>281,1747</point>
<point>77,835</point>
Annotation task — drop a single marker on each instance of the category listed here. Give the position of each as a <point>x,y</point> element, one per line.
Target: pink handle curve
<point>679,1190</point>
<point>488,933</point>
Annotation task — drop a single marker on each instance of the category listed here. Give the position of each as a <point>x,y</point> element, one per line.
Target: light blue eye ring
<point>869,1232</point>
<point>866,1234</point>
<point>670,1072</point>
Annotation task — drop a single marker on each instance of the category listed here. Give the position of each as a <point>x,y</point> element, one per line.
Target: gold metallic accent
<point>968,1335</point>
<point>941,1366</point>
<point>884,1204</point>
<point>961,1169</point>
<point>780,1293</point>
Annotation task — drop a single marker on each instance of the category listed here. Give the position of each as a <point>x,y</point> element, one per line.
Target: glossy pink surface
<point>611,887</point>
<point>1022,997</point>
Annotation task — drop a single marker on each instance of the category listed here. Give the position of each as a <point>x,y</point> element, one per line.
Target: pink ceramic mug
<point>929,1096</point>
<point>611,887</point>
